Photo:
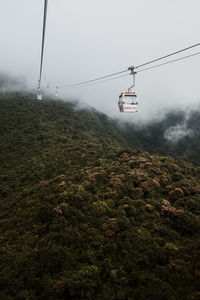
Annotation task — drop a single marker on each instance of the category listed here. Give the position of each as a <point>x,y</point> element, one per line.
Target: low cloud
<point>175,133</point>
<point>11,84</point>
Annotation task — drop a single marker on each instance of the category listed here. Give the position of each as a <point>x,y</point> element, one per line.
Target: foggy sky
<point>91,38</point>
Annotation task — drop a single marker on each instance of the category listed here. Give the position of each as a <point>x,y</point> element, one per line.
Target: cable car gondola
<point>39,94</point>
<point>56,94</point>
<point>128,100</point>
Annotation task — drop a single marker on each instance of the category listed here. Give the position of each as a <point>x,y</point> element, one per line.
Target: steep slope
<point>83,218</point>
<point>39,139</point>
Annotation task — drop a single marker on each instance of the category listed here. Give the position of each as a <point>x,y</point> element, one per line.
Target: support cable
<point>149,68</point>
<point>168,55</point>
<point>169,62</point>
<point>102,81</point>
<point>95,80</point>
<point>43,42</point>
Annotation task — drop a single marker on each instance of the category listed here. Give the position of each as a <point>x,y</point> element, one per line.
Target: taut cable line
<point>93,80</point>
<point>42,49</point>
<point>139,71</point>
<point>168,55</point>
<point>169,62</point>
<point>99,79</point>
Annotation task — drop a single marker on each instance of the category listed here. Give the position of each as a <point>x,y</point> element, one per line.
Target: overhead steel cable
<point>102,81</point>
<point>169,62</point>
<point>83,83</point>
<point>43,42</point>
<point>93,80</point>
<point>149,68</point>
<point>165,56</point>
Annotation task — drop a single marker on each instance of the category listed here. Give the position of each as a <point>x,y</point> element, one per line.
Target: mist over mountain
<point>176,133</point>
<point>10,83</point>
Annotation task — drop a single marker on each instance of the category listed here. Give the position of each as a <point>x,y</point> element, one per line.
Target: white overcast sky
<point>91,38</point>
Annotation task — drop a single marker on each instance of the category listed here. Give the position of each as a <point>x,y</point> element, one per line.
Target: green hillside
<point>85,217</point>
<point>42,139</point>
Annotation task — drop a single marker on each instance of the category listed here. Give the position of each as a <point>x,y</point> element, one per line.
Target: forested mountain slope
<point>84,217</point>
<point>40,139</point>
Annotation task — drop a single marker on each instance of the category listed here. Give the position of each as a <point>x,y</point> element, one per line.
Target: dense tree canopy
<point>84,216</point>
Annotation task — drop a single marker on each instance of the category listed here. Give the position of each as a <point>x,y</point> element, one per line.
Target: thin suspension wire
<point>168,55</point>
<point>127,70</point>
<point>156,66</point>
<point>169,62</point>
<point>43,41</point>
<point>93,80</point>
<point>102,81</point>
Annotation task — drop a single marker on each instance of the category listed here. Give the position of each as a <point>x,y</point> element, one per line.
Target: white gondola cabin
<point>128,100</point>
<point>39,95</point>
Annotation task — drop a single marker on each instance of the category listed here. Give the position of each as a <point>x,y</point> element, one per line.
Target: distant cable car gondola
<point>128,100</point>
<point>39,94</point>
<point>56,94</point>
